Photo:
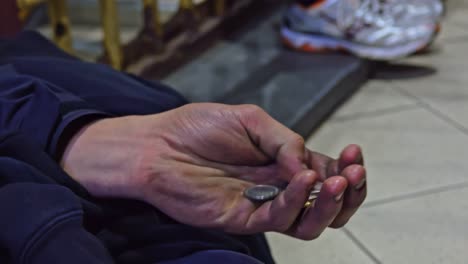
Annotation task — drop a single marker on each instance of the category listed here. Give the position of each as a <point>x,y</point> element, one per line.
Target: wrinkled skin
<point>194,162</point>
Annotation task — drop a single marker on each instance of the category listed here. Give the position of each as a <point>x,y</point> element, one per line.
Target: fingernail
<point>339,197</point>
<point>360,185</point>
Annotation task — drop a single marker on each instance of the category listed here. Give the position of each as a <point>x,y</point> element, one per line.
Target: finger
<point>274,139</point>
<point>280,214</point>
<point>327,167</point>
<point>354,196</point>
<point>316,219</point>
<point>319,163</point>
<point>350,155</point>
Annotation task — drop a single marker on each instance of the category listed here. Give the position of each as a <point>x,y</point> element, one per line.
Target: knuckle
<point>364,196</point>
<point>251,109</point>
<point>291,197</point>
<point>352,206</point>
<point>310,237</point>
<point>297,139</point>
<point>355,204</point>
<point>307,234</point>
<point>281,226</point>
<point>339,224</point>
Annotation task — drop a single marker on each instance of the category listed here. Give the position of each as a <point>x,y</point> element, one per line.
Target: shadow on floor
<point>399,71</point>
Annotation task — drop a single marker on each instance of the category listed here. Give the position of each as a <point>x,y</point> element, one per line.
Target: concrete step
<point>300,90</point>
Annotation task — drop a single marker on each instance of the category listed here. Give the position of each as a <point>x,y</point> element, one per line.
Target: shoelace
<point>368,12</point>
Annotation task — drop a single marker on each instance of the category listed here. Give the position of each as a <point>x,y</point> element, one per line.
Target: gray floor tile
<point>457,14</point>
<point>437,90</point>
<point>456,5</point>
<point>405,152</point>
<point>428,229</point>
<point>445,91</point>
<point>451,103</point>
<point>451,31</point>
<point>333,247</point>
<point>449,62</point>
<point>456,110</point>
<point>374,97</point>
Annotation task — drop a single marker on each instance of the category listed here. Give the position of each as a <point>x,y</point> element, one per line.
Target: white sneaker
<point>362,27</point>
<point>407,12</point>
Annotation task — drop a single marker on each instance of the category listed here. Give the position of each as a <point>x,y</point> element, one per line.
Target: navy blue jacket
<point>46,96</point>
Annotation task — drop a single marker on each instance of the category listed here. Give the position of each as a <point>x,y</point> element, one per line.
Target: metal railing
<point>154,35</point>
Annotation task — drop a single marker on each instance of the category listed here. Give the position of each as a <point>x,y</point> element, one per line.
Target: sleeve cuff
<point>71,123</point>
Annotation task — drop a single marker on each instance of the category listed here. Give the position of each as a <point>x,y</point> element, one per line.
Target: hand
<point>350,165</point>
<point>194,162</point>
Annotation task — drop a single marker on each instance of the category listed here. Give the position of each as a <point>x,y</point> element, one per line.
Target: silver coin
<point>318,186</point>
<point>261,193</point>
<point>315,192</point>
<point>264,193</point>
<point>313,195</point>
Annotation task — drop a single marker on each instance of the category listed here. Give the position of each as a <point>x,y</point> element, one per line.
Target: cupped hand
<point>193,163</point>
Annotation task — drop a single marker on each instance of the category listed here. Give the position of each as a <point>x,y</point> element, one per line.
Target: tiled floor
<point>415,135</point>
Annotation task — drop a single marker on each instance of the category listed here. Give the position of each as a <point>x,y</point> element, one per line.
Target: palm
<point>194,162</point>
<point>223,152</point>
<point>217,138</point>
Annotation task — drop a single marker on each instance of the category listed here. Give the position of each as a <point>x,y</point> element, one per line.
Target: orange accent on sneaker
<point>438,28</point>
<point>426,47</point>
<point>305,47</point>
<point>314,5</point>
<point>312,49</point>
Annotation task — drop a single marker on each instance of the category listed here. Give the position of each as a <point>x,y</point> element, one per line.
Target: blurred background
<point>410,115</point>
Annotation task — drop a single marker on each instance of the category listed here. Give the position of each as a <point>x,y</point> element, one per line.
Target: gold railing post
<point>190,16</point>
<point>186,4</point>
<point>220,7</point>
<point>151,10</point>
<point>25,4</point>
<point>60,24</point>
<point>188,7</point>
<point>25,7</point>
<point>110,24</point>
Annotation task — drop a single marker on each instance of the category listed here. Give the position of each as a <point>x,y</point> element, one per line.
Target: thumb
<point>278,142</point>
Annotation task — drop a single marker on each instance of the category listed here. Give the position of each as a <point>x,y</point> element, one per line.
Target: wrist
<point>103,156</point>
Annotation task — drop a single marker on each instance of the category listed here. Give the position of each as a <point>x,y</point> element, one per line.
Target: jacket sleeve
<point>45,113</point>
<point>99,85</point>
